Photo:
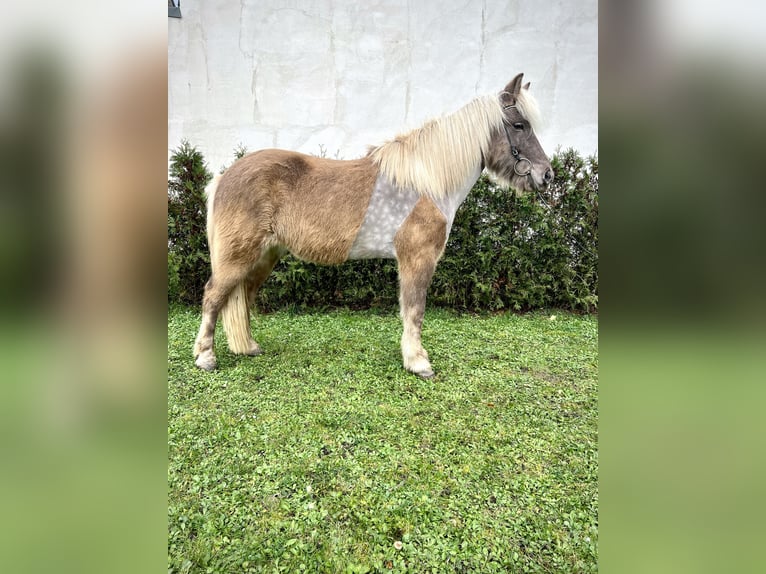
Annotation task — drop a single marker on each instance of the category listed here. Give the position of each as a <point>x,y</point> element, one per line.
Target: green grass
<point>323,454</point>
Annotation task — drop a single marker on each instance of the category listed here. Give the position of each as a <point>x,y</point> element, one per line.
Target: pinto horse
<point>399,201</point>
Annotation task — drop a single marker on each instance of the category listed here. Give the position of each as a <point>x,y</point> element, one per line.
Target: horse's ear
<point>514,86</point>
<point>509,93</point>
<point>526,86</point>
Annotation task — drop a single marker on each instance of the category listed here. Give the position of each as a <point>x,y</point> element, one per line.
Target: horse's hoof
<point>206,361</point>
<point>426,373</point>
<point>254,351</point>
<point>420,367</point>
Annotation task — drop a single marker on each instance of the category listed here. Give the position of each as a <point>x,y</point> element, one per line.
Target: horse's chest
<point>389,207</point>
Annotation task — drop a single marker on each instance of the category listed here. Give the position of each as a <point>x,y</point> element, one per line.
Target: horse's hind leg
<point>217,291</point>
<point>419,244</point>
<point>230,292</point>
<point>255,279</point>
<point>261,272</point>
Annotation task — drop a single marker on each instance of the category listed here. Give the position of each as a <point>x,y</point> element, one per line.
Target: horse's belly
<point>389,207</point>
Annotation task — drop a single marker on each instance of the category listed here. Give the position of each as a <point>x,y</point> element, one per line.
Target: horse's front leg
<point>419,244</point>
<point>412,305</point>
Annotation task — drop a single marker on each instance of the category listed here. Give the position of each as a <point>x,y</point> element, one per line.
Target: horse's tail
<point>235,314</point>
<point>210,190</point>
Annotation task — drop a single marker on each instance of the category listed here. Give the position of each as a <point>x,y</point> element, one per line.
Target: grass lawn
<point>324,455</point>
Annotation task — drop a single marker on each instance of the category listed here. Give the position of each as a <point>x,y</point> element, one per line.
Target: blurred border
<point>83,134</point>
<point>682,299</point>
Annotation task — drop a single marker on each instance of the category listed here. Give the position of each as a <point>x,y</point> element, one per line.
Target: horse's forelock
<point>529,109</point>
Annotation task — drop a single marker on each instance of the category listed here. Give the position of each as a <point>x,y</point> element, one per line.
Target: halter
<point>515,151</point>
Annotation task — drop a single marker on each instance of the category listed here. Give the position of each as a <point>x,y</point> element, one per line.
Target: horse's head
<point>515,157</point>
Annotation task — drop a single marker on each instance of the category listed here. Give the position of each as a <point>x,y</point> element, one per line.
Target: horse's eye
<point>518,126</point>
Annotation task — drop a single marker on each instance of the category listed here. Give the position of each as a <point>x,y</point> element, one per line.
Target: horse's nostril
<point>548,176</point>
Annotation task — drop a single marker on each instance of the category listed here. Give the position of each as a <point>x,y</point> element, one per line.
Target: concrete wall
<point>344,74</point>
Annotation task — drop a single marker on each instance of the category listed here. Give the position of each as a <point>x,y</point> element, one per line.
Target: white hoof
<point>420,367</point>
<point>206,361</point>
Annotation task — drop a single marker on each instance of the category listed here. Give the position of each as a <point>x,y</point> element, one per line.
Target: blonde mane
<point>437,158</point>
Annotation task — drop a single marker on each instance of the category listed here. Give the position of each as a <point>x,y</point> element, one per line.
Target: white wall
<point>348,73</point>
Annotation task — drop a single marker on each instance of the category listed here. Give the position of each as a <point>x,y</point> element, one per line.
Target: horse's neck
<point>449,203</point>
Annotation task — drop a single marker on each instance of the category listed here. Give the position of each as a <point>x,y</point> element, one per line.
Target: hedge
<point>188,255</point>
<point>505,251</point>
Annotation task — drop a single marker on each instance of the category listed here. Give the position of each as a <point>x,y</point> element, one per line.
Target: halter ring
<point>516,167</point>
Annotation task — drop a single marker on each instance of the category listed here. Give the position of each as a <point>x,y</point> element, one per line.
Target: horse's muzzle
<point>541,182</point>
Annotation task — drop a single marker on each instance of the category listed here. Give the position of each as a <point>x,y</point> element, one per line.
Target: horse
<point>397,202</point>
